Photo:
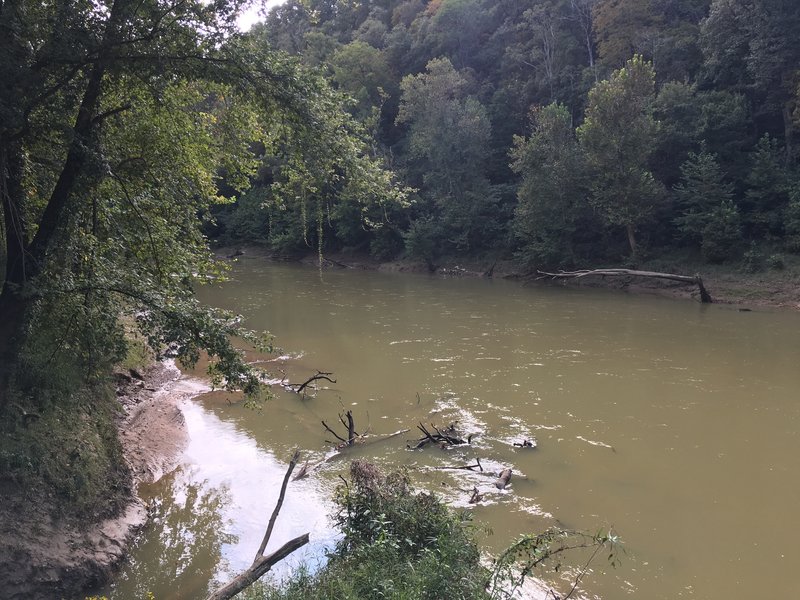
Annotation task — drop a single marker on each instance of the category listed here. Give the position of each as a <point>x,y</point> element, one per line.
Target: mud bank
<point>43,556</point>
<point>767,290</point>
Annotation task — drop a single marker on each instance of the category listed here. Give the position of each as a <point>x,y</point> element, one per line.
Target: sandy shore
<point>42,557</point>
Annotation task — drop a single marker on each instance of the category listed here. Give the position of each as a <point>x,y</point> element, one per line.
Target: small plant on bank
<point>396,544</point>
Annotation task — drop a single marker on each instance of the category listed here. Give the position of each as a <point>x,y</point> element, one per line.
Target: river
<point>674,422</point>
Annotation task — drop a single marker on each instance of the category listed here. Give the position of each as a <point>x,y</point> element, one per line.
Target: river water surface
<point>673,422</point>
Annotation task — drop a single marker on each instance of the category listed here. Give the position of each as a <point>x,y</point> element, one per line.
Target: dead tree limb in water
<point>262,564</point>
<point>503,480</point>
<point>705,297</point>
<point>352,434</point>
<point>440,437</point>
<point>477,465</point>
<point>301,386</point>
<point>476,496</point>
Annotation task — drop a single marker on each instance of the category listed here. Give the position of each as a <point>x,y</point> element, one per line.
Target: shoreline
<point>42,556</point>
<point>745,291</point>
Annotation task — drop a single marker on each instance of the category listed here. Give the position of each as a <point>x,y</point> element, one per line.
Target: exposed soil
<point>45,557</point>
<point>766,290</point>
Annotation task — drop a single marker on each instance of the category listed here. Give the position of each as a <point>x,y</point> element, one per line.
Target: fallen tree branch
<point>503,480</point>
<point>477,465</point>
<point>259,568</point>
<point>705,297</point>
<point>278,504</point>
<point>301,386</point>
<point>440,437</point>
<point>525,444</point>
<point>262,564</point>
<point>338,437</point>
<point>352,434</point>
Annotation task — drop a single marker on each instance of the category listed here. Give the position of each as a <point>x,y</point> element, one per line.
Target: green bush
<point>753,261</point>
<point>397,544</point>
<point>722,233</point>
<point>776,262</point>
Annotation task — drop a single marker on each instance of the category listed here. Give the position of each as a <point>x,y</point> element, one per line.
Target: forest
<point>554,134</point>
<point>562,133</point>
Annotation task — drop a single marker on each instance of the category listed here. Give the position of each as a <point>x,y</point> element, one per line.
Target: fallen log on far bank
<point>262,564</point>
<point>705,297</point>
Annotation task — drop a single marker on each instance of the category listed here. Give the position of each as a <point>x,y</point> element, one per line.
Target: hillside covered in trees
<point>559,132</point>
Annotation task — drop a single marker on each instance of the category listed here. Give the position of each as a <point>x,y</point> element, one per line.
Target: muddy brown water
<point>675,423</point>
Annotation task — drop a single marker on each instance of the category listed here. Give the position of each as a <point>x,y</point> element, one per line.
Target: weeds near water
<point>404,545</point>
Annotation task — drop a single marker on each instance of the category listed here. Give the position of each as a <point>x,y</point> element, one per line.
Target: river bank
<point>727,285</point>
<point>43,555</point>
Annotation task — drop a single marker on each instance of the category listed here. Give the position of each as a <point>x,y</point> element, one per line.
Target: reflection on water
<point>676,423</point>
<point>209,516</point>
<point>182,547</point>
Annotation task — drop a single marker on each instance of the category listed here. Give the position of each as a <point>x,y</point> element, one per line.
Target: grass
<point>67,454</point>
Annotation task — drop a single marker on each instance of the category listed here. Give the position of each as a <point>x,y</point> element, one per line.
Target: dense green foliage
<point>446,86</point>
<point>408,545</point>
<point>396,544</point>
<point>122,123</point>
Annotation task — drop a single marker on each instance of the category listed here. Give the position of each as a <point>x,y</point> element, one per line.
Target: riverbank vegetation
<point>398,543</point>
<point>557,133</point>
<point>119,121</point>
<point>562,133</point>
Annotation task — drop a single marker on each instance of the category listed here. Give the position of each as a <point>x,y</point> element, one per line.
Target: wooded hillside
<point>563,132</point>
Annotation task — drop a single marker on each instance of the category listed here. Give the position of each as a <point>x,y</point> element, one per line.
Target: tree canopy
<point>120,122</point>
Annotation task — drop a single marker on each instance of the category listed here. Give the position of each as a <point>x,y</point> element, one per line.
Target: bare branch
<point>262,564</point>
<point>271,525</point>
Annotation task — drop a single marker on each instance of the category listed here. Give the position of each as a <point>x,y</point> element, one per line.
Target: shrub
<point>722,233</point>
<point>753,261</point>
<point>397,544</point>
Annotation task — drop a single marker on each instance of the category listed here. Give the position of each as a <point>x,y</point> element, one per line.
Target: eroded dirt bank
<point>765,290</point>
<point>46,557</point>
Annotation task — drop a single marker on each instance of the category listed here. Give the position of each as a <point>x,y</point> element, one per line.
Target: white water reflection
<point>208,517</point>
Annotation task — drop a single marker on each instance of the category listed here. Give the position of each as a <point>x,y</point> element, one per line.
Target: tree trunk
<point>632,240</point>
<point>788,132</point>
<point>12,328</point>
<point>12,165</point>
<point>705,297</point>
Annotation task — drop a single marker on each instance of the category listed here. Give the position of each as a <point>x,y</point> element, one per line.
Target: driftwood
<point>476,496</point>
<point>299,387</point>
<point>352,434</point>
<point>443,438</point>
<point>705,297</point>
<point>477,465</point>
<point>336,263</point>
<point>525,444</point>
<point>262,564</point>
<point>503,480</point>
